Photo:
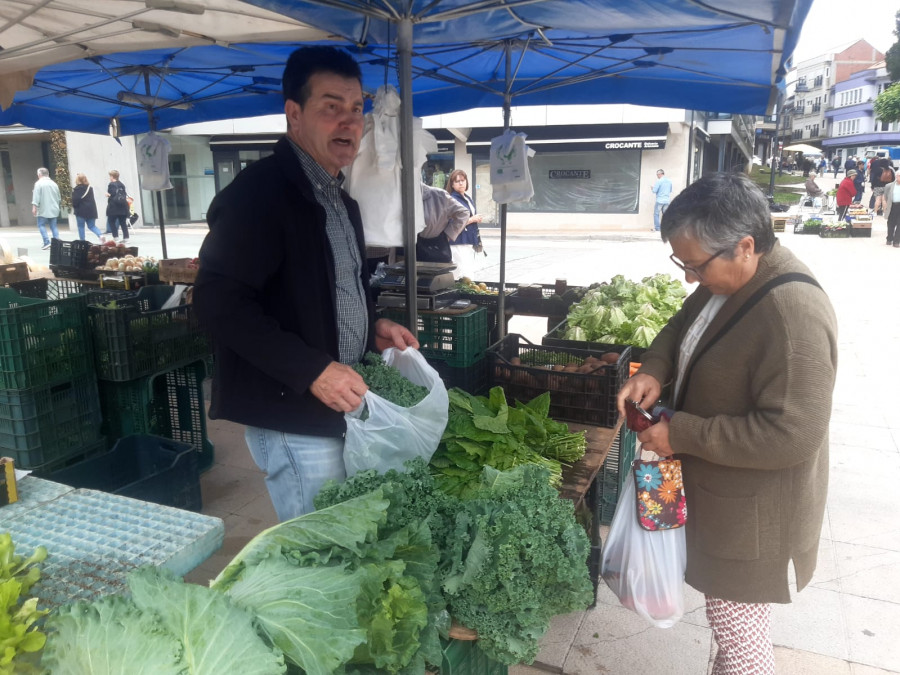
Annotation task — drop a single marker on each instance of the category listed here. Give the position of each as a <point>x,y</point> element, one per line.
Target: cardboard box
<point>8,492</point>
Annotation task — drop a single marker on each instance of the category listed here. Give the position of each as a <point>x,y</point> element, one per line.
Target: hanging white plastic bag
<point>373,179</point>
<point>644,569</point>
<point>510,177</point>
<point>392,434</point>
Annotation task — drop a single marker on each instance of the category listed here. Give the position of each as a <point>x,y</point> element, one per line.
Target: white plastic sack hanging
<point>392,434</point>
<point>510,177</point>
<point>373,179</point>
<point>644,569</point>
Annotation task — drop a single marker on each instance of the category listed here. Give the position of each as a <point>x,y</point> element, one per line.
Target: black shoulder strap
<point>758,295</point>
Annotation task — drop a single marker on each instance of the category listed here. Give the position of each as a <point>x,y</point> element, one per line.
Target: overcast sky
<point>832,23</point>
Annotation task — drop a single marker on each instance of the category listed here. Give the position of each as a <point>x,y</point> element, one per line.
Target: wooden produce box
<point>10,274</point>
<point>778,222</point>
<point>179,270</point>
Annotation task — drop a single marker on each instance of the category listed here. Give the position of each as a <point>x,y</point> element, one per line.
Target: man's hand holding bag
<point>392,434</point>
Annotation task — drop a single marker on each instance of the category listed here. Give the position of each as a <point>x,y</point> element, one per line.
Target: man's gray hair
<point>43,172</point>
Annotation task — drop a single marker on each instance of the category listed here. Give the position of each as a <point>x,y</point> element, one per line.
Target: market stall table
<point>578,484</point>
<point>95,539</point>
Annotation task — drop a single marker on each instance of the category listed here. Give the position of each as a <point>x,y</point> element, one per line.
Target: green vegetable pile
<point>485,431</point>
<point>340,590</point>
<point>388,383</point>
<point>510,556</point>
<point>19,635</point>
<point>625,312</point>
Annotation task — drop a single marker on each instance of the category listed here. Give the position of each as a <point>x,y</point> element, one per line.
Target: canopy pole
<point>151,123</point>
<point>774,147</point>
<point>501,299</point>
<point>408,178</point>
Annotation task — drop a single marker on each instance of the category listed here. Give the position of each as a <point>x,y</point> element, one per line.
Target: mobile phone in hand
<point>636,418</point>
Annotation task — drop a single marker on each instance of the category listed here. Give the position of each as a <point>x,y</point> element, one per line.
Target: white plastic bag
<point>644,569</point>
<point>392,434</point>
<point>373,179</point>
<point>510,177</point>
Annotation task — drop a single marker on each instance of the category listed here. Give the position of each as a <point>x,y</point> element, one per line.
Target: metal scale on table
<point>434,287</point>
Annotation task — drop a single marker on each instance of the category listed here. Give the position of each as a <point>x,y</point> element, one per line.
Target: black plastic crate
<point>574,397</point>
<point>149,468</point>
<point>168,404</point>
<point>860,231</point>
<point>70,253</point>
<point>472,379</point>
<point>615,471</point>
<point>135,337</point>
<point>555,338</point>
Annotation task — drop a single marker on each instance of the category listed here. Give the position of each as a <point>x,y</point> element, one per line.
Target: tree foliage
<point>887,105</point>
<point>60,152</point>
<point>892,56</point>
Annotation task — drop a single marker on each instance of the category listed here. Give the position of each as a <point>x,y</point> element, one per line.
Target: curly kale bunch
<point>511,555</point>
<point>388,383</point>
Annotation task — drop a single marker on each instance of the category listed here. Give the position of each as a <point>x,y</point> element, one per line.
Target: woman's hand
<point>656,439</point>
<point>643,389</point>
<point>390,334</point>
<point>477,218</point>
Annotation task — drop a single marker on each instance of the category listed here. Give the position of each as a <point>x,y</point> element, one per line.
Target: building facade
<point>593,169</point>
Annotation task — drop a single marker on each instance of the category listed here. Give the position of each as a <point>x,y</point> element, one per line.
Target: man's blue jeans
<point>658,212</point>
<point>42,227</point>
<point>296,467</point>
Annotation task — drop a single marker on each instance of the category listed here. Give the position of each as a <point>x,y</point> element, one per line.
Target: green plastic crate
<point>57,289</point>
<point>168,404</point>
<point>42,342</point>
<point>49,423</point>
<point>456,339</point>
<point>135,337</point>
<point>613,474</point>
<point>472,379</point>
<point>465,657</point>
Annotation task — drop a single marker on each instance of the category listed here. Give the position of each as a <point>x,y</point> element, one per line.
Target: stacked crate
<point>454,343</point>
<point>151,363</point>
<point>49,407</point>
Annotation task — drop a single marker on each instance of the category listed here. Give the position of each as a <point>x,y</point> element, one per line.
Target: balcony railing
<point>816,108</point>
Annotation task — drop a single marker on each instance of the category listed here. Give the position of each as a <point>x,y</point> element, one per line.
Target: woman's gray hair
<point>718,211</point>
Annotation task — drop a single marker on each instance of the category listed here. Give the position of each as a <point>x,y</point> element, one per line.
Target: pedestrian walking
<point>662,188</point>
<point>84,206</point>
<point>117,207</point>
<point>45,205</point>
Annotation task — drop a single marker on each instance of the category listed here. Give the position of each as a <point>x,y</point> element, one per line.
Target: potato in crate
<point>582,383</point>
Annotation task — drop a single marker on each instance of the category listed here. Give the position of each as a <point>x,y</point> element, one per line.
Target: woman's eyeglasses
<point>697,270</point>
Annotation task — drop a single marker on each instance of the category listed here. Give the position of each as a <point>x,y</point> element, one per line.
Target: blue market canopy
<point>176,85</point>
<point>715,55</point>
<point>723,56</point>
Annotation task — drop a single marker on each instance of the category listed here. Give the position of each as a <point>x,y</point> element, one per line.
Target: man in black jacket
<point>283,287</point>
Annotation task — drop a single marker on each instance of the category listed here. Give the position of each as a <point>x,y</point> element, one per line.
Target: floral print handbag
<point>660,494</point>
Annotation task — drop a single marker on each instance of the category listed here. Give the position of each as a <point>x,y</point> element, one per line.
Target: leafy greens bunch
<point>388,383</point>
<point>19,634</point>
<point>338,591</point>
<point>625,312</point>
<point>510,556</point>
<point>486,431</point>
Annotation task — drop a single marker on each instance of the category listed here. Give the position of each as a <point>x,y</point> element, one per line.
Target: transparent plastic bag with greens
<point>391,434</point>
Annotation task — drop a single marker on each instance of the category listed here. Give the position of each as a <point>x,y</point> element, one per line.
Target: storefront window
<point>574,182</point>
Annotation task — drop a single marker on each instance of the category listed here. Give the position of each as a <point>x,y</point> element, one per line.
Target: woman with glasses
<point>748,364</point>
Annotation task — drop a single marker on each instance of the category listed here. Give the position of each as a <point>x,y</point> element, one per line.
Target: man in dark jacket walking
<point>283,287</point>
